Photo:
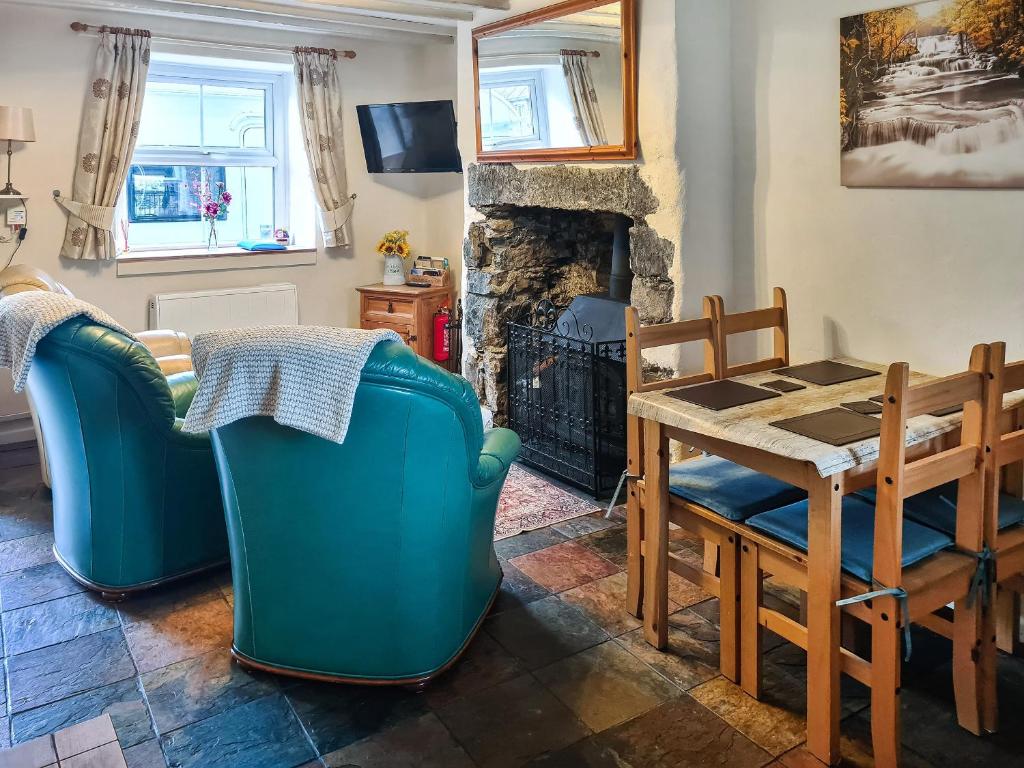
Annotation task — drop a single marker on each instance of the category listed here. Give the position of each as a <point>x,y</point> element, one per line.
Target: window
<point>205,128</point>
<point>513,112</point>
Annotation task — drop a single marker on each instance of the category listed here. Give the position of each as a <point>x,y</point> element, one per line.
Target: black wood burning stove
<point>567,382</point>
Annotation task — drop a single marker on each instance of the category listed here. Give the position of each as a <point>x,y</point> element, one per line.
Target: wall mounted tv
<point>414,137</point>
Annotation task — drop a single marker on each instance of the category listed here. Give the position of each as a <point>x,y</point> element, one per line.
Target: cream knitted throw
<point>27,317</point>
<point>303,377</point>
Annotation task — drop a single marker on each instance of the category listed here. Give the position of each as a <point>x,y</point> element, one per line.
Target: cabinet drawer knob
<point>391,308</point>
<point>412,338</point>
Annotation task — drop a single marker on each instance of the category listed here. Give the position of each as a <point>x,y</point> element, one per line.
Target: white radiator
<point>198,311</point>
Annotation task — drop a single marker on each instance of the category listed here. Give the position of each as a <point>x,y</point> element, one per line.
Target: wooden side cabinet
<point>407,310</point>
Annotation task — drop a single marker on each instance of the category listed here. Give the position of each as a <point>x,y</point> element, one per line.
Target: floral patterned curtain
<point>106,142</point>
<point>319,87</point>
<point>583,95</point>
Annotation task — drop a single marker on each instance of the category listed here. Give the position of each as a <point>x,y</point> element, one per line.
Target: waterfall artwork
<point>932,96</point>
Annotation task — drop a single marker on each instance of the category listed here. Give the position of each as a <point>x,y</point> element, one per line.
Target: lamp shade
<point>16,124</point>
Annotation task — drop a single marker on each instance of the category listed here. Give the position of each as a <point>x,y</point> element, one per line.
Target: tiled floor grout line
<point>141,687</point>
<point>295,714</point>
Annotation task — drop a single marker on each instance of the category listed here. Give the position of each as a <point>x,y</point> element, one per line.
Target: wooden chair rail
<point>683,381</point>
<point>650,336</point>
<point>1013,377</point>
<point>1011,448</point>
<point>759,366</point>
<point>944,393</point>
<point>931,471</point>
<point>754,320</point>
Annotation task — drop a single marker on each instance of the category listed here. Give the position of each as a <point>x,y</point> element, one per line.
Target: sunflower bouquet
<point>395,243</point>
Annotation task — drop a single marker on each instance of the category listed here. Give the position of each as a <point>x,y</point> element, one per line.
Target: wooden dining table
<point>744,434</point>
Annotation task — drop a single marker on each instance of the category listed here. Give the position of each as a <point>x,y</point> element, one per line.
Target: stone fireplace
<point>547,233</point>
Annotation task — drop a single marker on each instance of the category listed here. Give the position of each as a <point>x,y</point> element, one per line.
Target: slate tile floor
<point>559,678</point>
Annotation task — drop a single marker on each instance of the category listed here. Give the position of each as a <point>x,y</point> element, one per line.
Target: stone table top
<point>750,425</point>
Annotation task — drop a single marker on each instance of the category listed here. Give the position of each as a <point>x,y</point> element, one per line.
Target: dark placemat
<point>826,372</point>
<point>867,407</point>
<point>719,395</point>
<point>781,385</point>
<point>941,412</point>
<point>835,426</point>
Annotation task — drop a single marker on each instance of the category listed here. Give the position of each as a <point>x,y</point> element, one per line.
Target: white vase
<point>394,270</point>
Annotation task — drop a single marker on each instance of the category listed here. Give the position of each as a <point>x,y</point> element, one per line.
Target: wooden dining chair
<point>774,318</point>
<point>709,495</point>
<point>1009,458</point>
<point>895,570</point>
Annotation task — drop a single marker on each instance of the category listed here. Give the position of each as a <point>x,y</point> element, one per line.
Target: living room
<point>509,382</point>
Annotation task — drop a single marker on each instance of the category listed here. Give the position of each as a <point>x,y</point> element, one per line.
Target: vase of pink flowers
<point>213,203</point>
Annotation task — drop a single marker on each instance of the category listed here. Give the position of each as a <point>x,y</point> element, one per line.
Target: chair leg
<point>751,594</point>
<point>885,682</point>
<point>1008,621</point>
<point>634,552</point>
<point>966,669</point>
<point>728,607</point>
<point>711,558</point>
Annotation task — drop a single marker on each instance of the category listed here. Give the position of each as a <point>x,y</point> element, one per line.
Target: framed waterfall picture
<point>932,96</point>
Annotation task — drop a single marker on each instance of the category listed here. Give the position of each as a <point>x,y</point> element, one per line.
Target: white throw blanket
<point>27,317</point>
<point>303,377</point>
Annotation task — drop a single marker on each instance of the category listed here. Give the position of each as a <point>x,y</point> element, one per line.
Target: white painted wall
<point>915,275</point>
<point>46,67</point>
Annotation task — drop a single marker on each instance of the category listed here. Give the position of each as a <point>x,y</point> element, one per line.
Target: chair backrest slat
<point>774,318</point>
<point>1013,376</point>
<point>943,393</point>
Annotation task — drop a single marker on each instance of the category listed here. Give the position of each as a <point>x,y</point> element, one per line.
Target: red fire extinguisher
<point>442,343</point>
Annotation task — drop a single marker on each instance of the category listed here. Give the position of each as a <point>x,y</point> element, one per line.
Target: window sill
<point>203,260</point>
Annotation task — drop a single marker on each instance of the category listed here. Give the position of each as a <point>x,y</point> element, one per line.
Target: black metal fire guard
<point>567,398</point>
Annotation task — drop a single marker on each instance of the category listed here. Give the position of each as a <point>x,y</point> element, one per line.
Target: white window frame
<point>534,78</point>
<point>276,86</point>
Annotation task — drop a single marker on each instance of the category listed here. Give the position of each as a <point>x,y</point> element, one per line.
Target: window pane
<point>234,117</point>
<point>163,204</point>
<point>170,115</point>
<point>508,113</point>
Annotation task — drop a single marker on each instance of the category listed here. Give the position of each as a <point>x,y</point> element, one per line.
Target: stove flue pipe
<point>621,284</point>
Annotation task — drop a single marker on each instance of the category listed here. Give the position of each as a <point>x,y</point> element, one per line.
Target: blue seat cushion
<point>936,508</point>
<point>789,524</point>
<point>732,491</point>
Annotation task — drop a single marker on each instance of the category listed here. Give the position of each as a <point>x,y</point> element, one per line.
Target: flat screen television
<point>414,137</point>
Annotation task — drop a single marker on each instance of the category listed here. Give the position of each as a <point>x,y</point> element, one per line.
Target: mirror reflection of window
<point>553,84</point>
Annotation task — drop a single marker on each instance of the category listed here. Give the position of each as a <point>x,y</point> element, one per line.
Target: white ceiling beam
<point>496,5</point>
<point>337,25</point>
<point>388,9</point>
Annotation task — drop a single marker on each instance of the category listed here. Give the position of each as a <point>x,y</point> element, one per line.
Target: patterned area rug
<point>529,502</point>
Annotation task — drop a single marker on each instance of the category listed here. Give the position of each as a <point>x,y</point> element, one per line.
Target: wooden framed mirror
<point>558,84</point>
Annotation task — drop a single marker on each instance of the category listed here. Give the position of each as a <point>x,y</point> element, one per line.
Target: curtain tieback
<point>901,597</point>
<point>338,218</point>
<point>99,216</point>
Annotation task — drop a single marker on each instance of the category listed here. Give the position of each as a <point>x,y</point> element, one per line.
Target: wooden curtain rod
<point>591,54</point>
<point>327,52</point>
<point>78,26</point>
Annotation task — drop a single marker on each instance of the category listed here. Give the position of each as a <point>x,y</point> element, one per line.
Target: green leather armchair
<point>370,561</point>
<point>136,501</point>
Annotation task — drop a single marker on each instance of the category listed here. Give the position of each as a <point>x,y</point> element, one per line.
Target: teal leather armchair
<point>136,501</point>
<point>372,560</point>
